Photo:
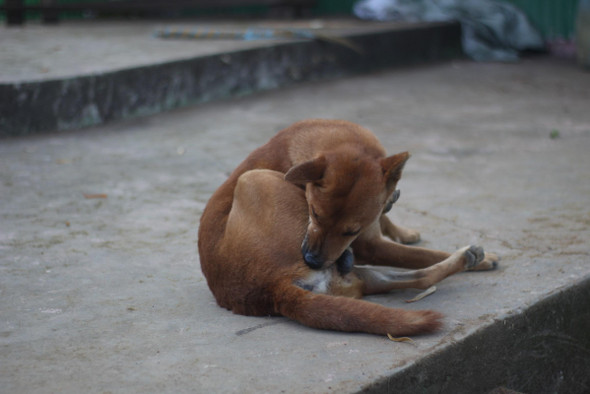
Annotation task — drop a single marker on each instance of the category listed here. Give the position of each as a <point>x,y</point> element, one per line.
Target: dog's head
<point>346,192</point>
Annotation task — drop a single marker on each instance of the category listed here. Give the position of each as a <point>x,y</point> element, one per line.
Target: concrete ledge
<point>543,349</point>
<point>86,100</point>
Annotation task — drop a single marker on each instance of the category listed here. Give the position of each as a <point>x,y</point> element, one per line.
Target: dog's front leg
<point>398,233</point>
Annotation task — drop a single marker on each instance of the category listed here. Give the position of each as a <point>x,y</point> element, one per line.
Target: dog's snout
<point>312,260</point>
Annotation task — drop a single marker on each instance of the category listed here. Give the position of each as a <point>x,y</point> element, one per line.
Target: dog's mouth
<point>314,261</point>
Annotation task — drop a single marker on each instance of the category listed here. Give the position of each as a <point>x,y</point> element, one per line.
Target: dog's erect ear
<point>393,166</point>
<point>310,171</point>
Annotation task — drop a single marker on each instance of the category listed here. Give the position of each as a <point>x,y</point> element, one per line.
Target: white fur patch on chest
<point>316,281</point>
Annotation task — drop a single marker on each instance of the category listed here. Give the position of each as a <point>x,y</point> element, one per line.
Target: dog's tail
<point>349,314</point>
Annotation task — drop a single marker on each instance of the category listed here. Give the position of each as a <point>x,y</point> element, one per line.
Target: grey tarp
<point>492,30</point>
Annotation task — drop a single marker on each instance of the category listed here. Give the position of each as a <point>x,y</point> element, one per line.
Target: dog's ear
<point>310,171</point>
<point>393,166</point>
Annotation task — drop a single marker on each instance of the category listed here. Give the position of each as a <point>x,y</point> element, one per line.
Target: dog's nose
<point>312,261</point>
<point>345,262</point>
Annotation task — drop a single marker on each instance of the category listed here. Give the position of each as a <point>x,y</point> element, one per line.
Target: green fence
<point>554,18</point>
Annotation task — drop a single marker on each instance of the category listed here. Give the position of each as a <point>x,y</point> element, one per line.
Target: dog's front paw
<point>408,236</point>
<point>403,235</point>
<point>477,260</point>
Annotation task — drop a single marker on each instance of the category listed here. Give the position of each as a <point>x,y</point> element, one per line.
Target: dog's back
<point>296,144</point>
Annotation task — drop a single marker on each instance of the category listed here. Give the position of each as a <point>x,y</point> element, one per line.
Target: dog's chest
<point>316,281</point>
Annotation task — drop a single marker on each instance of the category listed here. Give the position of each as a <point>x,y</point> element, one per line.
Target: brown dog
<point>291,230</point>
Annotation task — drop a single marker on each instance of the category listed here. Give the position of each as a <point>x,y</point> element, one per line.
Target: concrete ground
<point>100,285</point>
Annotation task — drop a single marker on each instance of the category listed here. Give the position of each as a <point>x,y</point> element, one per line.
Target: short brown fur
<point>280,235</point>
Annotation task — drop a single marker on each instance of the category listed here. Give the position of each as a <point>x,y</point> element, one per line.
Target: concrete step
<point>88,73</point>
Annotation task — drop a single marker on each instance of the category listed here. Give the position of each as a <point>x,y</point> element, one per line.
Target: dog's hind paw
<point>473,256</point>
<point>489,262</point>
<point>477,260</point>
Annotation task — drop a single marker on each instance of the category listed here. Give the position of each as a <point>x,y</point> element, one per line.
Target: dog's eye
<point>351,233</point>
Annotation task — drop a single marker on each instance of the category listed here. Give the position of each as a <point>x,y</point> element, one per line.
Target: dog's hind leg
<point>378,280</point>
<point>370,248</point>
<point>398,233</point>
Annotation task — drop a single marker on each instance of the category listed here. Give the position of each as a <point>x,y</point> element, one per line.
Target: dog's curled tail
<point>352,315</point>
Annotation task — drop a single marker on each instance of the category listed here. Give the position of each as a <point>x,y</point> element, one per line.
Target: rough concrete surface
<point>105,294</point>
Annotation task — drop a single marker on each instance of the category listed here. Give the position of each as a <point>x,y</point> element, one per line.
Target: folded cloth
<point>492,30</point>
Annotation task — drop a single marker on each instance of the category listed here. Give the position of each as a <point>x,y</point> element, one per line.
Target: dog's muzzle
<point>343,264</point>
<point>312,260</point>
